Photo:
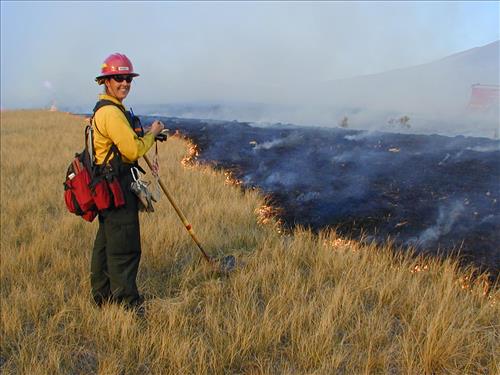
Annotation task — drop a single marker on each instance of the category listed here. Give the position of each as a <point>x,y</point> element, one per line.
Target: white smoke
<point>485,148</point>
<point>289,141</point>
<point>447,217</point>
<point>48,85</point>
<point>359,136</point>
<point>433,97</point>
<point>268,145</point>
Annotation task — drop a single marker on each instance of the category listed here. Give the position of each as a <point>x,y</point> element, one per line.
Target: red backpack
<point>90,188</point>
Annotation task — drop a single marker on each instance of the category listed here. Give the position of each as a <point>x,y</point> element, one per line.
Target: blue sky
<point>223,51</point>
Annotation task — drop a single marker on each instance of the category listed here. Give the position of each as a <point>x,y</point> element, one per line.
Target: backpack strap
<point>112,149</point>
<point>101,103</point>
<point>87,156</point>
<point>131,119</point>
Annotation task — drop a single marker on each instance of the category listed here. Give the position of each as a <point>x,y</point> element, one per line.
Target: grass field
<point>303,304</point>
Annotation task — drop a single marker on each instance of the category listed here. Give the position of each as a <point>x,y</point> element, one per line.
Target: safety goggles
<point>123,77</point>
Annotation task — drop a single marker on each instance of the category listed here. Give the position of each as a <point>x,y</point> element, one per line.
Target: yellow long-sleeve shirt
<point>111,127</point>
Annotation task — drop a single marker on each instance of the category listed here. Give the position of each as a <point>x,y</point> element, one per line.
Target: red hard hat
<point>116,63</point>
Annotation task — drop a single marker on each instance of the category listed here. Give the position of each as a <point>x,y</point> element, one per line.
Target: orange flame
<point>469,282</point>
<point>191,158</point>
<point>419,268</point>
<point>231,180</point>
<point>268,214</point>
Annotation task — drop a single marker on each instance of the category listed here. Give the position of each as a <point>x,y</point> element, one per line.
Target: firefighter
<point>117,248</point>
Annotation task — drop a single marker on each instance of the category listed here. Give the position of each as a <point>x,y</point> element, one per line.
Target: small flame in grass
<point>193,150</point>
<point>466,283</point>
<point>268,214</point>
<point>419,268</point>
<point>193,153</point>
<point>338,243</point>
<point>231,180</point>
<point>470,281</point>
<point>265,214</point>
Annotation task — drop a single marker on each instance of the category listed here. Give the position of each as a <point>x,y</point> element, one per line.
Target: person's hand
<point>157,127</point>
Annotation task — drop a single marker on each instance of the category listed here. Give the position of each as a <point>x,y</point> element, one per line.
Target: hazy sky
<point>229,51</point>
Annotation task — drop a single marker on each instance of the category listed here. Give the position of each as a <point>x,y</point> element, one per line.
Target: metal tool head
<point>227,264</point>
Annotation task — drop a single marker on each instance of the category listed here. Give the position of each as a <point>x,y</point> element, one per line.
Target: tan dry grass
<point>303,304</point>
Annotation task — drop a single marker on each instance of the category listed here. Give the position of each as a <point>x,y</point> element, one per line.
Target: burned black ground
<point>434,193</point>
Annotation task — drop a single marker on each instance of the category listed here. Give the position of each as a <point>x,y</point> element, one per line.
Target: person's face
<point>118,89</point>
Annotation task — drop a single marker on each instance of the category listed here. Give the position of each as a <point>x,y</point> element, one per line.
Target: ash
<point>437,194</point>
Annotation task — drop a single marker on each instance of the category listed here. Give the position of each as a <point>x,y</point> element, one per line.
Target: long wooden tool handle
<point>186,223</point>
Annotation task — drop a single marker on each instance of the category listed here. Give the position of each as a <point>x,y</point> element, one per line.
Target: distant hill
<point>437,87</point>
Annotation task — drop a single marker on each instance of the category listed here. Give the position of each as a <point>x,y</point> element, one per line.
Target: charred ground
<point>435,193</point>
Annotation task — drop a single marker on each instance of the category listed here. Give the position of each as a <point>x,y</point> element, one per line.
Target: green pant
<point>117,252</point>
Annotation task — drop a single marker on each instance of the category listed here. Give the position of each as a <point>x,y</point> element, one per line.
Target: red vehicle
<point>484,97</point>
